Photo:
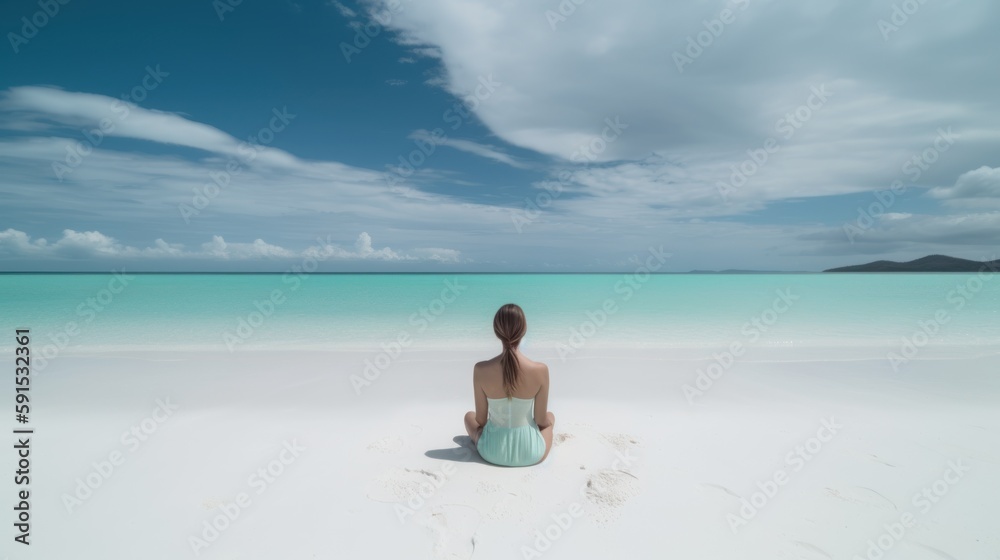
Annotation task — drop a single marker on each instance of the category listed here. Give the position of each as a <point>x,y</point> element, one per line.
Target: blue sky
<point>540,136</point>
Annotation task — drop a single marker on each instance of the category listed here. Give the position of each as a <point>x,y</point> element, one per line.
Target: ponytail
<point>509,325</point>
<point>508,361</point>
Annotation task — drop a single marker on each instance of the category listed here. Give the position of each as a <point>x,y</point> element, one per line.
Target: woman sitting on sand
<point>503,427</point>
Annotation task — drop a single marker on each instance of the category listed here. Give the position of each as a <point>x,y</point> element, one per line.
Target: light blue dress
<point>511,437</point>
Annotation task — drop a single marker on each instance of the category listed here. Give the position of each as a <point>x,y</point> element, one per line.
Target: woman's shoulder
<point>537,367</point>
<point>486,363</point>
<point>485,366</point>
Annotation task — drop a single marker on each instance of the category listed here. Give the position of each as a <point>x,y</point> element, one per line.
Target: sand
<point>778,458</point>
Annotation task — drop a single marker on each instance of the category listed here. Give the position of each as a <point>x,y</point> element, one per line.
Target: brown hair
<point>509,325</point>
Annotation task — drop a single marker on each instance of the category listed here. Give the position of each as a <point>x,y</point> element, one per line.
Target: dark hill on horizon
<point>930,263</point>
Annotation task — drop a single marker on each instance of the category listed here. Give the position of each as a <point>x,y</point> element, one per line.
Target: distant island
<point>930,263</point>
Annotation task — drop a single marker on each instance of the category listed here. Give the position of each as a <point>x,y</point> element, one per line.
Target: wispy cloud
<point>755,83</point>
<point>343,9</point>
<point>143,187</point>
<point>973,235</point>
<point>481,150</point>
<point>77,109</point>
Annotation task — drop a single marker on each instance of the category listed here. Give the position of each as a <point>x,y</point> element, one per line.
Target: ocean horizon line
<point>747,272</point>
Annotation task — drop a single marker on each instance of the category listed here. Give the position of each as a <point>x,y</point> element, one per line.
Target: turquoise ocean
<point>110,311</point>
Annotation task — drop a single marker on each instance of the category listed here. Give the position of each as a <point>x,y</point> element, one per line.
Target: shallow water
<point>363,311</point>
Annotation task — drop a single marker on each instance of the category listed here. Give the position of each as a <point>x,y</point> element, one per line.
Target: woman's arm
<point>542,400</point>
<point>482,406</point>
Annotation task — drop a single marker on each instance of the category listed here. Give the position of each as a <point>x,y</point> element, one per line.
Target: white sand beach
<point>137,455</point>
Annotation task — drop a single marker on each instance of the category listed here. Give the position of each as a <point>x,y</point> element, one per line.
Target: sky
<point>516,136</point>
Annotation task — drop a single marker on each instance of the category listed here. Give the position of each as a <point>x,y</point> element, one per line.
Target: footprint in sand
<point>621,442</point>
<point>879,460</point>
<point>938,551</point>
<point>212,503</point>
<point>399,485</point>
<point>388,444</point>
<point>393,443</point>
<point>722,489</point>
<point>487,487</point>
<point>454,528</point>
<point>862,496</point>
<point>609,490</point>
<point>511,505</point>
<point>561,438</point>
<point>806,551</point>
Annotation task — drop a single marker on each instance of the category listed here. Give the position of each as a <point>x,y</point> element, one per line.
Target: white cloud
<point>270,190</point>
<point>85,243</point>
<point>440,255</point>
<point>86,110</point>
<point>19,243</point>
<point>219,248</point>
<point>559,86</point>
<point>977,188</point>
<point>94,244</point>
<point>896,215</point>
<point>364,249</point>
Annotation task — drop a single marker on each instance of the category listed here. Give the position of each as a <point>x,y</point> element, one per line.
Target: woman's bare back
<point>531,377</point>
<point>532,383</point>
